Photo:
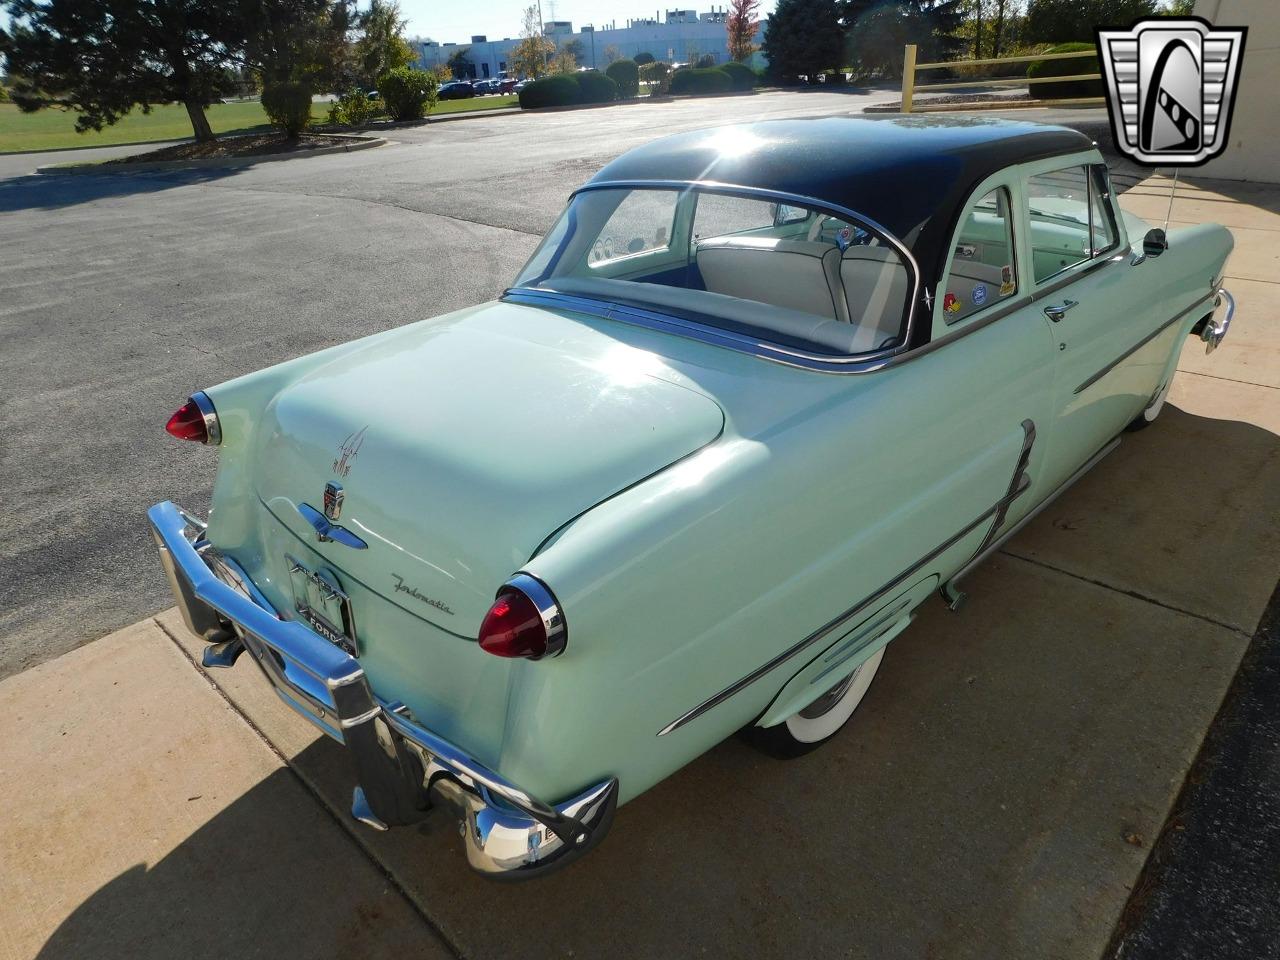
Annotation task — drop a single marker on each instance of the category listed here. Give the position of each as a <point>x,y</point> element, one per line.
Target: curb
<point>358,143</point>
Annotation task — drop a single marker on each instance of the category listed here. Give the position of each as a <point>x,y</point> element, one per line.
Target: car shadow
<point>57,191</point>
<point>984,802</point>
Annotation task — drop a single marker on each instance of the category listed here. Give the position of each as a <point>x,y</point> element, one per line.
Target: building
<point>676,36</point>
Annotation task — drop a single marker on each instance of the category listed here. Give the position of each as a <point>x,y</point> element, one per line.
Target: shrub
<point>554,91</point>
<point>658,74</point>
<point>701,81</point>
<point>4,93</point>
<point>408,93</point>
<point>743,77</point>
<point>595,87</point>
<point>354,108</point>
<point>1065,68</point>
<point>704,61</point>
<point>626,74</point>
<point>287,106</point>
<point>643,58</point>
<point>994,71</point>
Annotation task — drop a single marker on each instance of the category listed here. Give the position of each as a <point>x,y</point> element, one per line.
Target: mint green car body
<point>697,511</point>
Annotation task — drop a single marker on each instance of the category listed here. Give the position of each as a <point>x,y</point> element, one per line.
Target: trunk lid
<point>462,443</point>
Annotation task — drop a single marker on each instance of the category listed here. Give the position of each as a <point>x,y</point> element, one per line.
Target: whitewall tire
<point>821,720</point>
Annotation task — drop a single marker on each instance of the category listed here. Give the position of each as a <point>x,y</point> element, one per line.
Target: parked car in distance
<point>457,90</point>
<point>761,392</point>
<point>507,85</point>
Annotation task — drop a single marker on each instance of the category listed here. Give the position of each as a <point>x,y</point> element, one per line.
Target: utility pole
<point>542,32</point>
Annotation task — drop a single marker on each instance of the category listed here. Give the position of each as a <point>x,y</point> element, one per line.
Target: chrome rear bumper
<point>401,767</point>
<point>1214,332</point>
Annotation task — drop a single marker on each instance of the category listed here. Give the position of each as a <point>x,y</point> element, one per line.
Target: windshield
<point>789,273</point>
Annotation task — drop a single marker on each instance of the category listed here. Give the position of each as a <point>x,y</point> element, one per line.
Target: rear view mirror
<point>1155,242</point>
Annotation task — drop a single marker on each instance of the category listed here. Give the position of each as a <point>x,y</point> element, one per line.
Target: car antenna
<point>1168,213</point>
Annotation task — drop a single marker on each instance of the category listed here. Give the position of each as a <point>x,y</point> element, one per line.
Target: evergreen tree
<point>879,30</point>
<point>803,38</point>
<point>1061,21</point>
<point>105,57</point>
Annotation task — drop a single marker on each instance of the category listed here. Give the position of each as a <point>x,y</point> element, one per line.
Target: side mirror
<point>1155,242</point>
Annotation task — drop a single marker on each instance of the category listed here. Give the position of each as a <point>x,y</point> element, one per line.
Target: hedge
<point>408,93</point>
<point>1065,68</point>
<point>595,87</point>
<point>626,74</point>
<point>287,106</point>
<point>743,77</point>
<point>557,91</point>
<point>700,81</point>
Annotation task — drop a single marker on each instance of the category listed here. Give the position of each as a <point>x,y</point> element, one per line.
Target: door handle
<point>1056,311</point>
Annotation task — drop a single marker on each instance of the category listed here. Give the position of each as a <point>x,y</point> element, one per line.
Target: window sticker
<point>1006,280</point>
<point>979,294</point>
<point>950,303</point>
<point>844,238</point>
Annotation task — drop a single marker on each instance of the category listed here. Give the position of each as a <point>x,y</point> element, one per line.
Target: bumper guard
<point>401,767</point>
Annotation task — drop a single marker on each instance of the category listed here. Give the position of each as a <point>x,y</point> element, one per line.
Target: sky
<point>456,22</point>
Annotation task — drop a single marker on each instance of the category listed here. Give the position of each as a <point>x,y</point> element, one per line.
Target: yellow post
<point>908,77</point>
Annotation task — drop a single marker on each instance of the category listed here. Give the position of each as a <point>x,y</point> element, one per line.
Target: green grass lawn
<point>56,129</point>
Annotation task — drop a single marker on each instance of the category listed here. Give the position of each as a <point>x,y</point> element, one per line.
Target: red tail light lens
<point>525,621</point>
<point>195,420</point>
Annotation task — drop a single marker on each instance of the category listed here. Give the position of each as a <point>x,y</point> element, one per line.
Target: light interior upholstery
<point>862,286</point>
<point>793,274</point>
<point>874,281</point>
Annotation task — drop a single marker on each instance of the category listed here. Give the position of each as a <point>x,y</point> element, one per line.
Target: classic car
<point>761,392</point>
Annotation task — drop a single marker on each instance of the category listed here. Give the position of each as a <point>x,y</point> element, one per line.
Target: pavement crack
<point>1214,376</point>
<point>339,821</point>
<point>377,202</point>
<point>1128,593</point>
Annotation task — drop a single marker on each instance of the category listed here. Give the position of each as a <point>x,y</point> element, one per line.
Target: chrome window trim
<point>764,349</point>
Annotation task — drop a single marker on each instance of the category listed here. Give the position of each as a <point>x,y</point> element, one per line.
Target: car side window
<point>982,269</point>
<point>1070,219</point>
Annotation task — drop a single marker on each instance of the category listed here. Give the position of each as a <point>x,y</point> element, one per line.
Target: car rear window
<point>791,273</point>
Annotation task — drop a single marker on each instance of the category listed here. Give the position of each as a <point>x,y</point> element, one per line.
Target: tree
<point>643,58</point>
<point>611,53</point>
<point>105,57</point>
<point>382,45</point>
<point>460,65</point>
<point>564,62</point>
<point>530,56</point>
<point>299,41</point>
<point>575,49</point>
<point>1061,21</point>
<point>879,30</point>
<point>741,28</point>
<point>804,38</point>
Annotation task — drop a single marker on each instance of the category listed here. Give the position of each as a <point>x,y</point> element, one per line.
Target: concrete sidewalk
<point>996,797</point>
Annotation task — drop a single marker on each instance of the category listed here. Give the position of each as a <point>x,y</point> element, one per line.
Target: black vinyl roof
<point>907,173</point>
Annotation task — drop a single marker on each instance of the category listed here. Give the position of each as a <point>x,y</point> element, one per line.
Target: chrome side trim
<point>850,614</point>
<point>866,363</point>
<point>211,426</point>
<point>549,608</point>
<point>1140,344</point>
<point>948,590</point>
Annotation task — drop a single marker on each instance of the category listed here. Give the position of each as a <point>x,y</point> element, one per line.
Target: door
<point>1079,265</point>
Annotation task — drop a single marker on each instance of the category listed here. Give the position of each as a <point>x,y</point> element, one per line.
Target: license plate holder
<point>323,605</point>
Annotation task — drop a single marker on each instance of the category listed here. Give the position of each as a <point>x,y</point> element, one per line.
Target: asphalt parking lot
<point>1009,771</point>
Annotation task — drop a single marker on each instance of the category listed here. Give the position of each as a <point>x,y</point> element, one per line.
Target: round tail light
<point>524,621</point>
<point>196,420</point>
